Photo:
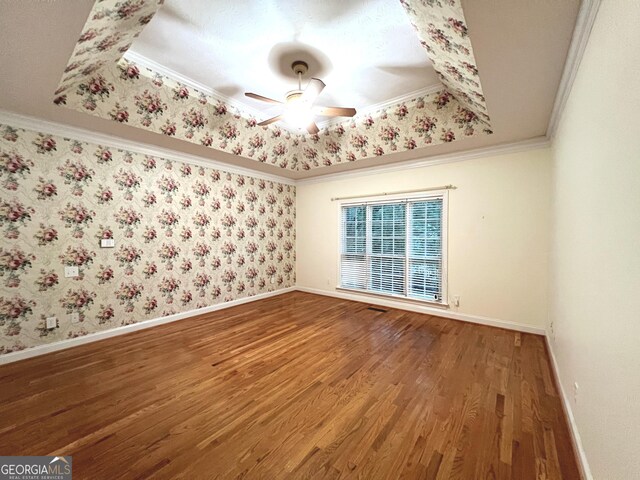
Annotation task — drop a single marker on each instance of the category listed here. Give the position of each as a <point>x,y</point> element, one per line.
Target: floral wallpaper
<point>186,237</point>
<point>108,33</point>
<point>99,82</point>
<point>144,99</point>
<point>443,32</point>
<point>420,122</point>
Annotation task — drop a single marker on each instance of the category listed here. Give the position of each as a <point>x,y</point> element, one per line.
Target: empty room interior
<point>279,239</point>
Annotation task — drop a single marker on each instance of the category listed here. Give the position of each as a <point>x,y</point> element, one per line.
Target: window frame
<point>406,199</point>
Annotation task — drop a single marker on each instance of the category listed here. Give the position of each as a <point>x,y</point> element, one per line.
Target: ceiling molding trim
<point>392,102</point>
<point>156,67</point>
<point>503,149</point>
<point>55,128</point>
<point>581,33</point>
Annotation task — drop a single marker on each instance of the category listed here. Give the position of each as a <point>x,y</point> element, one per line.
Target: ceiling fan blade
<point>334,111</point>
<point>261,98</point>
<point>270,120</point>
<point>312,128</point>
<point>312,91</point>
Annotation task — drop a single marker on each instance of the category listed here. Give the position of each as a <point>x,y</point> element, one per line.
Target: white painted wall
<point>498,231</point>
<point>595,283</point>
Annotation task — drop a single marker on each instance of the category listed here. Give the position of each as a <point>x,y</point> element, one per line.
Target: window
<point>395,247</point>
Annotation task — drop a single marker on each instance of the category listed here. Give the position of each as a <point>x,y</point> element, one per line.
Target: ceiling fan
<point>299,110</point>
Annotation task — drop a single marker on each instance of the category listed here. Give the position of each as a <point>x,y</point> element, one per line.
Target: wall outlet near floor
<point>70,272</point>
<point>52,322</point>
<point>74,317</point>
<point>456,300</point>
<point>576,389</point>
<point>107,243</point>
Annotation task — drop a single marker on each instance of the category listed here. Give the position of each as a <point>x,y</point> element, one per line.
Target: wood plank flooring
<point>296,386</point>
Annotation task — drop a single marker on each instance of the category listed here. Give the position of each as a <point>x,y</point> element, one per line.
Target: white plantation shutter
<point>395,247</point>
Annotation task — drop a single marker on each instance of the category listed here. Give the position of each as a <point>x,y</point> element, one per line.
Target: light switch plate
<point>52,322</point>
<point>70,272</point>
<point>107,243</point>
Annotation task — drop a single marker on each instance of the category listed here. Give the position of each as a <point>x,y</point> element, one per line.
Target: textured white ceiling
<point>365,51</point>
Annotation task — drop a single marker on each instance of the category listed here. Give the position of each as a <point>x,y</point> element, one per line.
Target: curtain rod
<point>444,187</point>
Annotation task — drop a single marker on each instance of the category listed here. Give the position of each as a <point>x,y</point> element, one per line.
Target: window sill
<point>401,298</point>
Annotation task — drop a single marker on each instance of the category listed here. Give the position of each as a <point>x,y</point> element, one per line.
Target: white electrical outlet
<point>576,389</point>
<point>52,322</point>
<point>107,243</point>
<point>456,300</point>
<point>74,317</point>
<point>273,280</point>
<point>70,272</point>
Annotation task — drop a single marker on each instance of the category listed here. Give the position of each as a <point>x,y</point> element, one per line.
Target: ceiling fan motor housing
<point>299,67</point>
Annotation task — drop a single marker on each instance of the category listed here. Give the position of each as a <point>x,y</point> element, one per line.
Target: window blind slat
<point>393,248</point>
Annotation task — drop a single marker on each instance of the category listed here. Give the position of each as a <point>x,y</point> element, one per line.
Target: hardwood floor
<point>295,386</point>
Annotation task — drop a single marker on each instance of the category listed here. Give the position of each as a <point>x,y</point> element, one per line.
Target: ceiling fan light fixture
<point>299,111</point>
<point>298,114</point>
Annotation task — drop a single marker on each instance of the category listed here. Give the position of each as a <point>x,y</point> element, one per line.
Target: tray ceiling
<point>366,52</point>
<point>519,47</point>
<point>99,81</point>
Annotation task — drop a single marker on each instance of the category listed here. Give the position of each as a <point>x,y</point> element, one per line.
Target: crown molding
<point>154,66</point>
<point>422,92</point>
<point>581,33</point>
<point>55,128</point>
<point>502,149</point>
<point>244,109</point>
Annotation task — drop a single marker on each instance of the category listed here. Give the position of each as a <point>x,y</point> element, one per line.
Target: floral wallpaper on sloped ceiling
<point>142,99</point>
<point>98,82</point>
<point>420,122</point>
<point>108,33</point>
<point>443,32</point>
<point>186,237</point>
<point>167,107</point>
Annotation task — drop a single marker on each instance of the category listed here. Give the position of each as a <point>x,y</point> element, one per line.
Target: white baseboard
<point>413,307</point>
<point>94,337</point>
<point>583,464</point>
